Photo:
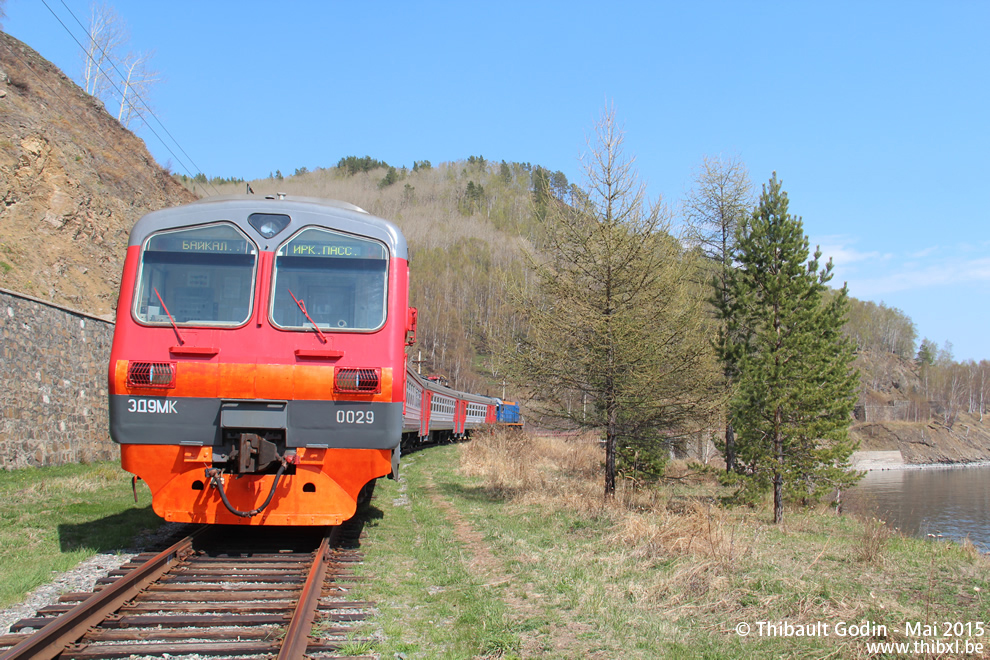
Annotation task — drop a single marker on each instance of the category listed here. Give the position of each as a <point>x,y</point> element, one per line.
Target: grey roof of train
<point>304,211</point>
<point>434,386</point>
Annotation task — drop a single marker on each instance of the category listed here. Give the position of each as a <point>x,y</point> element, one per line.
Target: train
<point>258,372</point>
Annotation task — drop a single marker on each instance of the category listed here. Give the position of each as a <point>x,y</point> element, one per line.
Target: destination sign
<point>299,249</point>
<point>321,243</point>
<point>175,244</point>
<point>218,239</point>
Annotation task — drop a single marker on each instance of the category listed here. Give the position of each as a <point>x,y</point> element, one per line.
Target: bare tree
<point>119,80</point>
<point>720,201</point>
<point>136,82</point>
<point>107,35</point>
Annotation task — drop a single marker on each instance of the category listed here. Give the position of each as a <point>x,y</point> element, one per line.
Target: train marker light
<point>160,375</point>
<point>357,381</point>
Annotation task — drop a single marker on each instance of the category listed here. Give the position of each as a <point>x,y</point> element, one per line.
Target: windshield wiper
<point>174,324</point>
<point>302,308</point>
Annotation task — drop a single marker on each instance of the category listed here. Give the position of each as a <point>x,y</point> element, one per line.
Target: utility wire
<point>133,90</point>
<point>112,83</point>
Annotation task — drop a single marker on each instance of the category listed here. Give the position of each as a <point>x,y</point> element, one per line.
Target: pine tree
<point>796,389</point>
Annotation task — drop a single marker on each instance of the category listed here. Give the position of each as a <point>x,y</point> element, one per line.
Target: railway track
<point>220,592</point>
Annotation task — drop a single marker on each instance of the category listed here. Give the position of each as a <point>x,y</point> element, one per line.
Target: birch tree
<point>122,80</point>
<point>713,211</point>
<point>107,35</point>
<point>137,80</point>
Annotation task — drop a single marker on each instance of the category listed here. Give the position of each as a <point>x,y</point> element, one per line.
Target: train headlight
<point>357,381</point>
<point>151,374</point>
<point>269,224</point>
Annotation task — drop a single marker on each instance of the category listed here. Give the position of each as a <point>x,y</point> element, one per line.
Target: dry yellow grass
<point>551,471</point>
<point>566,473</point>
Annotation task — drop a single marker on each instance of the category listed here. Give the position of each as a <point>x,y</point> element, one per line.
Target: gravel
<point>84,576</point>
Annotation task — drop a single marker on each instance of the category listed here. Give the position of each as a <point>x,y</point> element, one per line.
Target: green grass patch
<point>54,517</point>
<point>429,600</point>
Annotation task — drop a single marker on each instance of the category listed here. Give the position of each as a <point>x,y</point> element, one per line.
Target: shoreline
<point>873,461</point>
<point>925,466</point>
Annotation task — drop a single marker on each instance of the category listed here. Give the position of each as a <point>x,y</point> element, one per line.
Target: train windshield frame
<point>335,281</point>
<point>202,276</point>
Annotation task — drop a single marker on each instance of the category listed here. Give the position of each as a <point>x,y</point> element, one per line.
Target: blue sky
<point>873,114</point>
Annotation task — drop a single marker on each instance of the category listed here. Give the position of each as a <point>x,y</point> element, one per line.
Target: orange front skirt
<point>323,490</point>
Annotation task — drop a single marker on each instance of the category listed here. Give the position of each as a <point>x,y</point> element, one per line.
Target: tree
<point>137,80</point>
<point>391,176</point>
<point>505,173</point>
<point>796,388</point>
<point>107,34</point>
<point>542,195</point>
<point>474,194</point>
<point>109,75</point>
<point>713,211</point>
<point>559,185</point>
<point>614,337</point>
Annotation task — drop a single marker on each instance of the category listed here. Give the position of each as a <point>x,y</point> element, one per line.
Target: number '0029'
<point>355,417</point>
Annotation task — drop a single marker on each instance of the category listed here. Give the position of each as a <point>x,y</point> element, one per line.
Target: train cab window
<point>200,276</point>
<point>340,281</point>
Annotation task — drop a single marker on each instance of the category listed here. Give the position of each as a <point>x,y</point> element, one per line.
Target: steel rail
<point>64,630</point>
<point>296,638</point>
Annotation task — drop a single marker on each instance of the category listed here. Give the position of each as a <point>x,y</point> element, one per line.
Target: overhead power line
<point>136,109</point>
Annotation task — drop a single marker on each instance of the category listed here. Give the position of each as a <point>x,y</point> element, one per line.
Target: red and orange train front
<point>258,367</point>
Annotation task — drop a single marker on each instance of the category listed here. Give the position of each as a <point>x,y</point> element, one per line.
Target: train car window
<point>339,279</point>
<point>200,276</point>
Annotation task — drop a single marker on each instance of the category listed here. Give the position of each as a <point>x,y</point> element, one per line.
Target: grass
<point>52,518</point>
<point>503,548</point>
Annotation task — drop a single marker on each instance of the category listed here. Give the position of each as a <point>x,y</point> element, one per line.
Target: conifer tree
<point>615,336</point>
<point>796,388</point>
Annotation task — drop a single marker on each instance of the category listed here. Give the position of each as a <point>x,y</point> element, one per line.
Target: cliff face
<point>72,183</point>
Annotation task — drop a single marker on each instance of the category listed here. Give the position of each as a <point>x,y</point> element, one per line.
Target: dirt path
<point>491,572</point>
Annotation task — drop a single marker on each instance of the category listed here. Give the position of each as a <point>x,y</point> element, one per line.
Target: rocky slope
<point>895,416</point>
<point>72,183</point>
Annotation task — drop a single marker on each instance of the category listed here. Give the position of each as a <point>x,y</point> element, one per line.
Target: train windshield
<point>201,276</point>
<point>332,280</point>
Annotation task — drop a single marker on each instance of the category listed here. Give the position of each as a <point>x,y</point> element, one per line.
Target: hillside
<point>72,180</point>
<point>895,414</point>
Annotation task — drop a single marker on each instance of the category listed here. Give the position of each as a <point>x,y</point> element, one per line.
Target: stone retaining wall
<point>53,384</point>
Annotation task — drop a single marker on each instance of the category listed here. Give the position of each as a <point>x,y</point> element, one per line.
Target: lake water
<point>953,502</point>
